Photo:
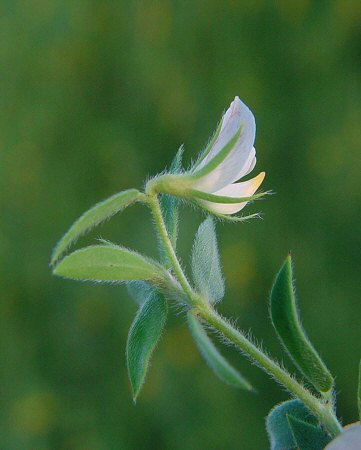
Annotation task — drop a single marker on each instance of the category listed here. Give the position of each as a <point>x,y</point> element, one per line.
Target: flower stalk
<point>154,205</point>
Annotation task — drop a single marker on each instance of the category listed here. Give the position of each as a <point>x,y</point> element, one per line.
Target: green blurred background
<point>98,95</point>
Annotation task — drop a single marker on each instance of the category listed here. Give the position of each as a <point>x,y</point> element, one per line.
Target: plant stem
<point>203,309</point>
<point>270,366</point>
<point>163,233</point>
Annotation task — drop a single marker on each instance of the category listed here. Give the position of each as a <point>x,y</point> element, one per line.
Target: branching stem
<point>204,310</point>
<point>236,337</point>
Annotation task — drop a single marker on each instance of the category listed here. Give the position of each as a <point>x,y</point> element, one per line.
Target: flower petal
<point>237,117</point>
<point>242,189</point>
<point>231,122</point>
<point>248,165</point>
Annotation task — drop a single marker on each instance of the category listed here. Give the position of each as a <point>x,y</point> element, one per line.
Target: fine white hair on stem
<point>258,345</point>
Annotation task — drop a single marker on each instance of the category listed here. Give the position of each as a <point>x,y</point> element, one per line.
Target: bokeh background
<point>96,97</point>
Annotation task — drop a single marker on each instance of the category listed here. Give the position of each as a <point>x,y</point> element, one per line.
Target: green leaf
<point>108,263</point>
<point>287,324</point>
<point>143,337</point>
<point>212,356</point>
<point>93,217</point>
<point>307,436</point>
<point>169,205</point>
<point>278,427</point>
<point>139,291</point>
<point>359,392</point>
<point>206,266</point>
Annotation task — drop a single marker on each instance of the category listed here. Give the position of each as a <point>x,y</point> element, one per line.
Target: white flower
<point>229,156</point>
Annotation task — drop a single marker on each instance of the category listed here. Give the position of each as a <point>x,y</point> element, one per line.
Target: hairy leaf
<point>206,266</point>
<point>140,291</point>
<point>170,205</point>
<point>278,428</point>
<point>287,324</point>
<point>212,356</point>
<point>307,436</point>
<point>107,263</point>
<point>93,217</point>
<point>143,337</point>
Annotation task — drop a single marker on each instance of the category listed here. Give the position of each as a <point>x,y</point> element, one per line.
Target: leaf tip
<point>253,390</point>
<point>135,396</point>
<point>288,260</point>
<point>286,321</point>
<point>54,257</point>
<point>55,270</point>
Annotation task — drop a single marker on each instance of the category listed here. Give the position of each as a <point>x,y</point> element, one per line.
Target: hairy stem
<point>165,239</point>
<point>204,310</point>
<point>237,338</point>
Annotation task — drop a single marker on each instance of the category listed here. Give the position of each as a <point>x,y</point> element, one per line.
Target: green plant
<point>310,421</point>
